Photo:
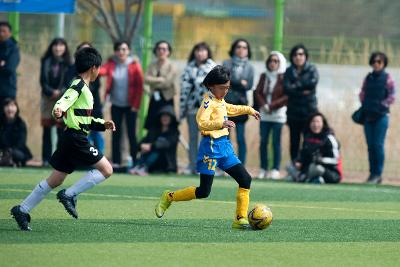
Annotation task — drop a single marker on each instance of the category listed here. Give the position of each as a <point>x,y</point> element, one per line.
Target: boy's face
<point>94,72</point>
<point>220,90</point>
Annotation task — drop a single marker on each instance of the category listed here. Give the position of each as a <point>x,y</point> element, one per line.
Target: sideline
<point>219,201</point>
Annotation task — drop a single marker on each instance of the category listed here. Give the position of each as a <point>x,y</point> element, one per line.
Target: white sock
<point>90,179</point>
<point>37,195</point>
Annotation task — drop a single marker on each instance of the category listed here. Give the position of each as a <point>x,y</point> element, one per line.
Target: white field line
<point>222,201</point>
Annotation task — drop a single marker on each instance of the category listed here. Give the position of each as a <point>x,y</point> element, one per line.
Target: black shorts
<point>74,151</point>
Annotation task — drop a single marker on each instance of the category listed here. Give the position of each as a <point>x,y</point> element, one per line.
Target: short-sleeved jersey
<point>213,112</point>
<point>77,106</point>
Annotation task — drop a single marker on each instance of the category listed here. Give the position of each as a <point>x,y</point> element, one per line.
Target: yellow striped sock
<point>185,194</point>
<point>242,202</point>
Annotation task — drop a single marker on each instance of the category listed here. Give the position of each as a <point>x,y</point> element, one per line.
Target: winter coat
<point>322,148</point>
<point>192,89</point>
<point>135,81</point>
<point>377,94</point>
<point>237,94</point>
<point>9,53</point>
<point>300,106</point>
<point>165,143</point>
<point>13,136</point>
<point>168,86</point>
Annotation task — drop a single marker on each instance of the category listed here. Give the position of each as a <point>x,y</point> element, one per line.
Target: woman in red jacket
<point>124,85</point>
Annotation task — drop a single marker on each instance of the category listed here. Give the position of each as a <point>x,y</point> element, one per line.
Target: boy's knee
<point>108,171</point>
<point>202,192</point>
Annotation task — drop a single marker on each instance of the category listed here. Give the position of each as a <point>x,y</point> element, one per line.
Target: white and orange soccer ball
<point>260,217</point>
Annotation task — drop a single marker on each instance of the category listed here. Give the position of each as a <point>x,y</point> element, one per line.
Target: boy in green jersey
<point>75,107</point>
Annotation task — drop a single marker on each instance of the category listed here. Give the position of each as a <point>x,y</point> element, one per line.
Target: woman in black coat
<point>299,84</point>
<point>319,158</point>
<point>158,148</point>
<point>13,134</point>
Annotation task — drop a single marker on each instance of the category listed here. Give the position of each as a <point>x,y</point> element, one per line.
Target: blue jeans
<point>96,138</point>
<point>265,129</point>
<point>241,141</point>
<point>375,133</point>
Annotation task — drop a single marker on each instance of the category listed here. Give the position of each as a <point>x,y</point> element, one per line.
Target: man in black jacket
<point>9,60</point>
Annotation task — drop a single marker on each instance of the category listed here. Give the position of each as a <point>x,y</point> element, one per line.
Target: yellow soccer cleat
<point>241,223</point>
<point>163,204</point>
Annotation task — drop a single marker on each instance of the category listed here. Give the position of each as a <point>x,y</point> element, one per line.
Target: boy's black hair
<point>381,55</point>
<point>86,58</point>
<point>294,51</point>
<point>5,24</point>
<point>218,75</point>
<point>119,43</point>
<point>162,42</point>
<point>235,43</point>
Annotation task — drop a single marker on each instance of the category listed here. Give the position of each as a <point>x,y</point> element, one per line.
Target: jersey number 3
<point>94,151</point>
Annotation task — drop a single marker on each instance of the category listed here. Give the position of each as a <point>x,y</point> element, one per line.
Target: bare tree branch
<point>127,17</point>
<point>114,18</point>
<point>136,21</point>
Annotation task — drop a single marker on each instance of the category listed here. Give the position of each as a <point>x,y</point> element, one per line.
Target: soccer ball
<point>260,217</point>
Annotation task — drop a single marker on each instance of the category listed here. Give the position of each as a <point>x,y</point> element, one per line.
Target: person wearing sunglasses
<point>377,94</point>
<point>299,84</point>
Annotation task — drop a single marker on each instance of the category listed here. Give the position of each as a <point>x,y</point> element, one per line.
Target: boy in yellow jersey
<point>216,149</point>
<point>75,107</point>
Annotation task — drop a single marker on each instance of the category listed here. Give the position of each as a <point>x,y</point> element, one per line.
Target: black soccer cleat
<point>68,202</point>
<point>23,219</point>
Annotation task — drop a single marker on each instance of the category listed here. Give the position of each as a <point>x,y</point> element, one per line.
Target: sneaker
<point>374,179</point>
<point>163,204</point>
<point>133,170</point>
<point>142,171</point>
<point>274,174</point>
<point>23,219</point>
<point>241,223</point>
<point>262,174</point>
<point>68,202</point>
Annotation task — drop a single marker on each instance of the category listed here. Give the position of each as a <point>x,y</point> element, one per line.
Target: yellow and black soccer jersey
<point>213,112</point>
<point>77,106</point>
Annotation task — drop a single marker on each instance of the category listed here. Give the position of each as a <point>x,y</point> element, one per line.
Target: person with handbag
<point>376,96</point>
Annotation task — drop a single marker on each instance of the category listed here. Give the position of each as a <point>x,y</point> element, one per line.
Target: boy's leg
<point>21,212</point>
<point>91,178</point>
<point>67,197</point>
<point>185,194</point>
<point>243,178</point>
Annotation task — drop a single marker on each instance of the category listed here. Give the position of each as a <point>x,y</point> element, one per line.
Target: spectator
<point>53,74</point>
<point>242,76</point>
<point>161,76</point>
<point>271,100</point>
<point>9,60</point>
<point>124,84</point>
<point>192,90</point>
<point>95,137</point>
<point>13,135</point>
<point>299,84</point>
<point>158,148</point>
<point>319,160</point>
<point>377,94</point>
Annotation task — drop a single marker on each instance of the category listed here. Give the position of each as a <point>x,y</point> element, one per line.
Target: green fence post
<point>279,17</point>
<point>13,19</point>
<point>146,56</point>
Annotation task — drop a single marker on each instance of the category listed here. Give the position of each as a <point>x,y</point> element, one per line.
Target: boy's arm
<point>97,124</point>
<point>203,118</point>
<point>237,110</point>
<point>66,101</point>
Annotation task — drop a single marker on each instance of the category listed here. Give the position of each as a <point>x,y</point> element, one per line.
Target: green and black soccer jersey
<point>77,106</point>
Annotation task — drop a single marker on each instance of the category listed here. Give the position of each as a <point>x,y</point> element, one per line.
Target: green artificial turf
<point>314,225</point>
